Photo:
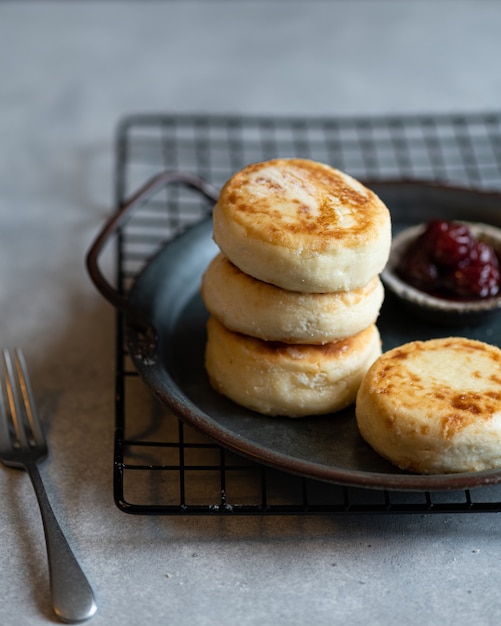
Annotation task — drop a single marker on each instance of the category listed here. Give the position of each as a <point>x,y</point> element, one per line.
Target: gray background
<point>68,72</point>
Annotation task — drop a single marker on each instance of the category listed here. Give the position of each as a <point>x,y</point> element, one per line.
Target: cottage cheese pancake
<point>434,406</point>
<point>284,379</point>
<point>303,226</point>
<point>253,307</point>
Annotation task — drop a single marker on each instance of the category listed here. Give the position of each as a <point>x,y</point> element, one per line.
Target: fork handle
<point>72,596</point>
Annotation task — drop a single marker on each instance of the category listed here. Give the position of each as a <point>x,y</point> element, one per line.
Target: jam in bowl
<point>447,272</point>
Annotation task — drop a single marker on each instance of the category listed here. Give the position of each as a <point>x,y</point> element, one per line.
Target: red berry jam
<point>447,261</point>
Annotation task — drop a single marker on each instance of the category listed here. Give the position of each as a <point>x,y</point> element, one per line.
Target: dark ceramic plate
<point>323,447</point>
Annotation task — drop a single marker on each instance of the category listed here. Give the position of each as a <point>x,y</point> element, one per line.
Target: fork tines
<point>16,399</point>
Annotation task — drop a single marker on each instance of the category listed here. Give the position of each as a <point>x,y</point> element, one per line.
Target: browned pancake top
<point>277,350</point>
<point>283,199</point>
<point>454,380</point>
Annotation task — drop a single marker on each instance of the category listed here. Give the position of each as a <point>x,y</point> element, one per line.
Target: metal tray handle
<point>146,191</point>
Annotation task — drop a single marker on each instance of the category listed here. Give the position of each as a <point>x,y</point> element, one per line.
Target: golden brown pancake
<point>276,378</point>
<point>434,406</point>
<point>303,226</point>
<point>250,306</point>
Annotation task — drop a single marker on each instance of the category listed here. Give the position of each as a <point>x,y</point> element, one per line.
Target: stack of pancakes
<point>294,293</point>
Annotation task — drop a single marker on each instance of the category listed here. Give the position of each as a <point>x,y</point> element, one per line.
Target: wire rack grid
<point>162,466</point>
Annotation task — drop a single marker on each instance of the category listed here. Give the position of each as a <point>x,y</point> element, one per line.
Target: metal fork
<point>22,444</point>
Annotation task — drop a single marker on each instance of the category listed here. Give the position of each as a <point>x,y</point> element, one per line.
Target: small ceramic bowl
<point>430,308</point>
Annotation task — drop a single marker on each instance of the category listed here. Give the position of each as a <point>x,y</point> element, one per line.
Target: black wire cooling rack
<point>163,466</point>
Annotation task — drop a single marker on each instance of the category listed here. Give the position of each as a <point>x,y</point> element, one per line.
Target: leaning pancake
<point>303,226</point>
<point>290,380</point>
<point>253,307</point>
<point>434,406</point>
